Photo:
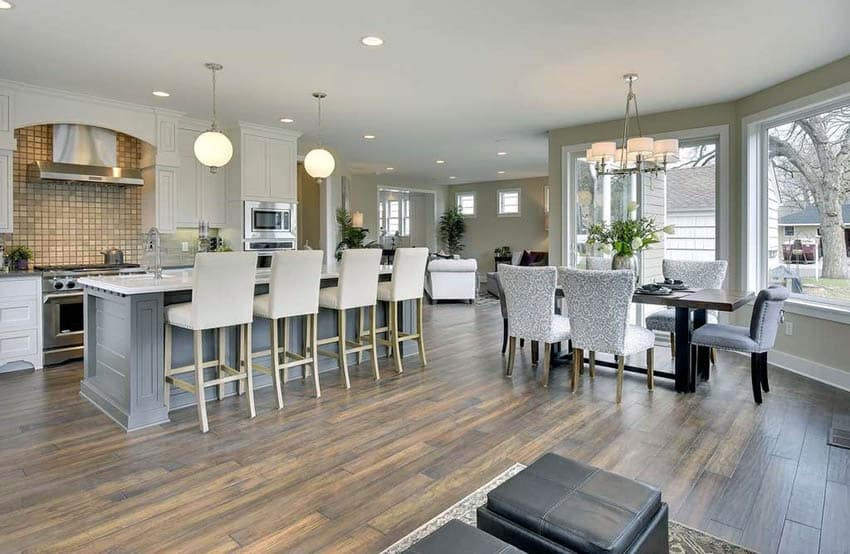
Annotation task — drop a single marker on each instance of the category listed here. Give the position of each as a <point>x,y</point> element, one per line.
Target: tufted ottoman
<point>560,505</point>
<point>458,537</point>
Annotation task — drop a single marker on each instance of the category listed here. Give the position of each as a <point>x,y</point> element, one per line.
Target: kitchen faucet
<point>154,243</point>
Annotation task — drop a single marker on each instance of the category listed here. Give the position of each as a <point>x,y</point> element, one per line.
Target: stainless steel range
<point>62,307</point>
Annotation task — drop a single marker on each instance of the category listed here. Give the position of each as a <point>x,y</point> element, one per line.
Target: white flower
<point>655,237</point>
<point>637,243</point>
<point>632,206</point>
<point>605,248</point>
<point>670,229</point>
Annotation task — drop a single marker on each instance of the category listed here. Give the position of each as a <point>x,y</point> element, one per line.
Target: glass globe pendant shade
<point>213,149</point>
<point>319,163</point>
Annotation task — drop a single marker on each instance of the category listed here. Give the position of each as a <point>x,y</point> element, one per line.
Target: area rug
<point>683,539</point>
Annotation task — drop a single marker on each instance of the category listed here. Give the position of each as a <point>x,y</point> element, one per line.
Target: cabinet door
<point>186,196</point>
<point>282,160</point>
<point>214,198</point>
<point>255,171</point>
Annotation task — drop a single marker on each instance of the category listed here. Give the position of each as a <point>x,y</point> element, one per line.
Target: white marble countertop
<point>174,280</point>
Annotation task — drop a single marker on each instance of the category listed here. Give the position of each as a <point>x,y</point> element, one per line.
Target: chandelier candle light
<point>318,162</point>
<point>213,148</point>
<point>640,154</point>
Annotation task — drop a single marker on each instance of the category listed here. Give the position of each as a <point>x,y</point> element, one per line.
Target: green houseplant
<point>502,251</point>
<point>19,257</point>
<point>452,229</point>
<point>350,236</point>
<point>626,238</point>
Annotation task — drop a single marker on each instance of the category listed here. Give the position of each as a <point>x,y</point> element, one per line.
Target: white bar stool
<point>408,283</point>
<point>357,288</point>
<point>293,292</point>
<point>222,296</point>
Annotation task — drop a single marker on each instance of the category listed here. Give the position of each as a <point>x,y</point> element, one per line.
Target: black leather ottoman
<point>560,505</point>
<point>456,537</point>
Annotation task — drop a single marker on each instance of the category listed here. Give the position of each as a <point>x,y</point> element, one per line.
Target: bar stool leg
<point>199,381</point>
<point>285,342</point>
<point>305,369</point>
<point>250,371</point>
<point>394,336</point>
<point>314,351</point>
<point>221,353</point>
<point>166,393</point>
<point>240,384</point>
<point>360,324</point>
<point>420,304</point>
<point>373,336</point>
<point>343,358</point>
<point>275,363</point>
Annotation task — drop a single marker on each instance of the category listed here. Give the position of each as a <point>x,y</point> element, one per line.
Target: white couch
<point>452,279</point>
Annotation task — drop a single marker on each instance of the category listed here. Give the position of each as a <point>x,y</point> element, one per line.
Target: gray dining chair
<point>530,300</point>
<point>598,263</point>
<point>598,304</point>
<point>694,274</point>
<point>757,339</point>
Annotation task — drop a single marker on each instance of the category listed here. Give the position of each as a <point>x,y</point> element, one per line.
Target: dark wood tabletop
<point>722,300</point>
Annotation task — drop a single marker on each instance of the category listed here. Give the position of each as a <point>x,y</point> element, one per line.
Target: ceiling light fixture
<point>638,154</point>
<point>161,93</point>
<point>369,137</point>
<point>500,172</point>
<point>6,5</point>
<point>390,169</point>
<point>441,161</point>
<point>372,41</point>
<point>287,120</point>
<point>213,148</point>
<point>452,177</point>
<point>501,153</point>
<point>318,162</point>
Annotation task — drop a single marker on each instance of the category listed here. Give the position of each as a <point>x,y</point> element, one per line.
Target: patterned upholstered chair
<point>598,304</point>
<point>598,263</point>
<point>530,300</point>
<point>757,339</point>
<point>695,274</point>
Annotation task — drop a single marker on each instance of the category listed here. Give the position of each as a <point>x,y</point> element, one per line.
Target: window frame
<point>500,193</point>
<point>471,193</point>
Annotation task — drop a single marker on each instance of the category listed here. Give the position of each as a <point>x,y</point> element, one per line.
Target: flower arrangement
<point>627,237</point>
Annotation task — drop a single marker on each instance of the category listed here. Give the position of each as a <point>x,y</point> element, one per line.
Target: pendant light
<point>318,162</point>
<point>213,148</point>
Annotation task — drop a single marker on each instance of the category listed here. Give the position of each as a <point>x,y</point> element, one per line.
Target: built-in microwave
<point>270,220</point>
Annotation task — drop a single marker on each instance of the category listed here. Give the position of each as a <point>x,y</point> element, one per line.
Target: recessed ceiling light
<point>501,153</point>
<point>390,169</point>
<point>372,41</point>
<point>500,172</point>
<point>452,177</point>
<point>161,93</point>
<point>287,120</point>
<point>6,5</point>
<point>369,137</point>
<point>441,161</point>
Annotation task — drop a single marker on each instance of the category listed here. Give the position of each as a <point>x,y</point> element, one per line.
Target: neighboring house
<point>804,225</point>
<point>691,208</point>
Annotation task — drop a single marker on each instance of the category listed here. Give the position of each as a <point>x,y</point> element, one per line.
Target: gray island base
<point>125,342</point>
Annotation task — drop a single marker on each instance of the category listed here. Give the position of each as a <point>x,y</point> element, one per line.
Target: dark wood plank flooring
<point>359,469</point>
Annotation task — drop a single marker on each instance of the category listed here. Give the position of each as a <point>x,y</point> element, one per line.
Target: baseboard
<point>807,368</point>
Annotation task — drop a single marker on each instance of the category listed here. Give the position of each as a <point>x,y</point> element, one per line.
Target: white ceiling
<point>456,80</point>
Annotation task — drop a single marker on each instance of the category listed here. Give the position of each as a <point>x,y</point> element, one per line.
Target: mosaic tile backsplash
<point>70,223</point>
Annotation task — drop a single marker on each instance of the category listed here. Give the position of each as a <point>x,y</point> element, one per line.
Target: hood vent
<point>84,154</point>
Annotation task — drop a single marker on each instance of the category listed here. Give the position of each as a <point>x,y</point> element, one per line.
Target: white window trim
<point>499,193</point>
<point>754,203</point>
<point>474,202</point>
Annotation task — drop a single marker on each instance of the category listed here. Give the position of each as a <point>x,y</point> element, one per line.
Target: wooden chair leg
<point>249,370</point>
<point>535,352</point>
<point>240,384</point>
<point>578,361</point>
<point>755,374</point>
<point>166,391</point>
<point>275,362</point>
<point>341,355</point>
<point>221,360</point>
<point>361,321</point>
<point>713,356</point>
<point>504,335</point>
<point>284,341</point>
<point>314,351</point>
<point>547,357</point>
<point>373,337</point>
<point>673,345</point>
<point>509,367</point>
<point>650,369</point>
<point>199,381</point>
<point>420,330</point>
<point>305,369</point>
<point>394,332</point>
<point>591,363</point>
<point>764,384</point>
<point>621,368</point>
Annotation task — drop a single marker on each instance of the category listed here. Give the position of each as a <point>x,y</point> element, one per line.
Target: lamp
<point>213,148</point>
<point>357,219</point>
<point>318,162</point>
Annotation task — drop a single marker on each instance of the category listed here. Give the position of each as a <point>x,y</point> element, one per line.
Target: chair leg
<point>673,345</point>
<point>166,391</point>
<point>420,330</point>
<point>314,351</point>
<point>535,352</point>
<point>240,384</point>
<point>650,369</point>
<point>221,354</point>
<point>373,336</point>
<point>305,369</point>
<point>591,363</point>
<point>199,381</point>
<point>360,323</point>
<point>621,368</point>
<point>509,367</point>
<point>275,362</point>
<point>394,331</point>
<point>341,355</point>
<point>755,374</point>
<point>547,358</point>
<point>713,356</point>
<point>522,343</point>
<point>249,370</point>
<point>764,384</point>
<point>578,361</point>
<point>504,335</point>
<point>284,342</point>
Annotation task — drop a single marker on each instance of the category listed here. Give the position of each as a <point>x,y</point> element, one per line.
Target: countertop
<point>18,273</point>
<point>179,280</point>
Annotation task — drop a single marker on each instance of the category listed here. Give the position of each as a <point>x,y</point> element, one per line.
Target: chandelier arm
<point>624,155</point>
<point>637,115</point>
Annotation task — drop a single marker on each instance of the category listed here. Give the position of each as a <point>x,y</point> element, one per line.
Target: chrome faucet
<point>154,243</point>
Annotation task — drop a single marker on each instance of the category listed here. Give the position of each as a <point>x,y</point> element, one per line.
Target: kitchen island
<point>125,342</point>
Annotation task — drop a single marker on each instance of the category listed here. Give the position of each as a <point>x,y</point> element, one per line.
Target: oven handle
<point>48,297</point>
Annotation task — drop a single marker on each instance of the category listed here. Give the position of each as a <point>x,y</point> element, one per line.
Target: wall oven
<point>265,249</point>
<point>270,220</point>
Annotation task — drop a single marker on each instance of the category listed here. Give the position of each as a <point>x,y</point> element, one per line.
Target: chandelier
<point>639,154</point>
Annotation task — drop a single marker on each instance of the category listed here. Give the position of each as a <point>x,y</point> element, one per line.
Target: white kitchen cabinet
<point>20,321</point>
<point>200,194</point>
<point>6,191</point>
<point>268,159</point>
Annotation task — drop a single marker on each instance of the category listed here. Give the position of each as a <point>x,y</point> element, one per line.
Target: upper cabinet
<point>200,194</point>
<point>268,160</point>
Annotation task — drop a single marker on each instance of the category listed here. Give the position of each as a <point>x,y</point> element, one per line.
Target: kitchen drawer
<point>26,287</point>
<point>19,313</point>
<point>16,345</point>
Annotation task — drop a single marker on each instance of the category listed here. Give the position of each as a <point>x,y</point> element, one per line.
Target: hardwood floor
<point>357,470</point>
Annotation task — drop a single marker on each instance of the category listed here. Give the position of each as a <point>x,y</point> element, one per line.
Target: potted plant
<point>452,229</point>
<point>502,251</point>
<point>350,236</point>
<point>19,257</point>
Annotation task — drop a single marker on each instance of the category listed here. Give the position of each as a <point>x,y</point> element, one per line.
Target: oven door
<point>63,320</point>
<point>267,220</point>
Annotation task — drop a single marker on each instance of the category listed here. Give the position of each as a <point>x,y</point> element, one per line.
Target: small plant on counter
<point>452,229</point>
<point>350,236</point>
<point>19,257</point>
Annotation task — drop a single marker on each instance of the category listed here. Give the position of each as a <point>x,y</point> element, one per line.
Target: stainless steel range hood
<point>84,153</point>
